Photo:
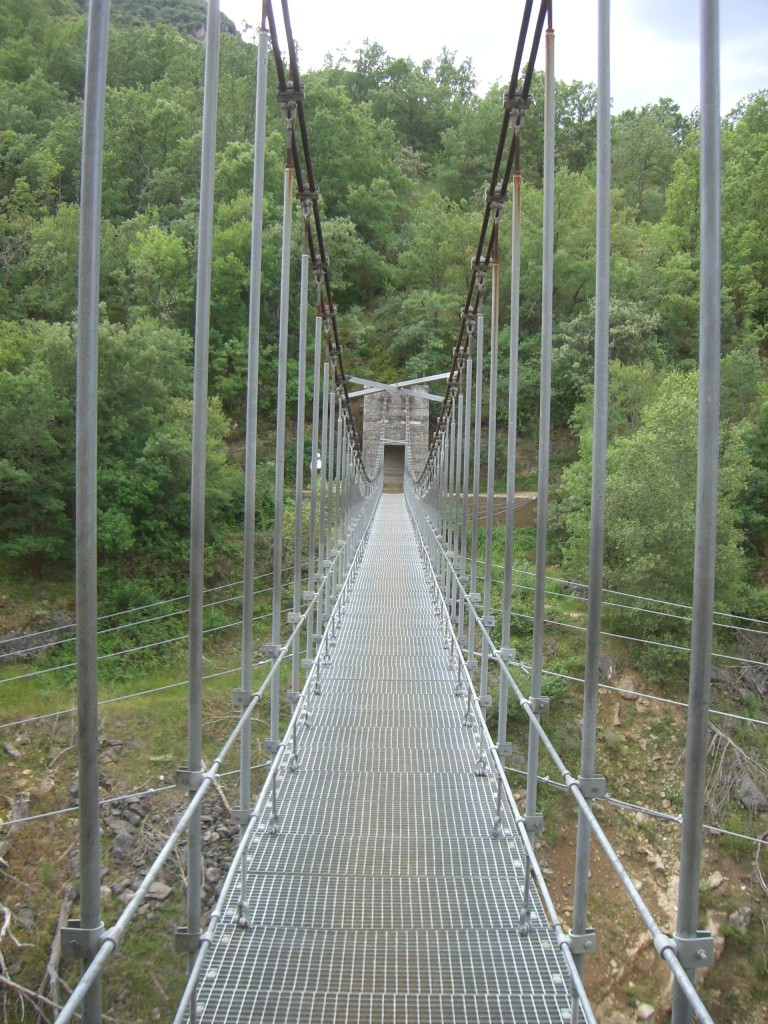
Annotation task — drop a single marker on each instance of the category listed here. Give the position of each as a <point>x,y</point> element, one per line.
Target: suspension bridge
<point>385,872</point>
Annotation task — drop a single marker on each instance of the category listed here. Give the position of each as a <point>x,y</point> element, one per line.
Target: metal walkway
<point>384,897</point>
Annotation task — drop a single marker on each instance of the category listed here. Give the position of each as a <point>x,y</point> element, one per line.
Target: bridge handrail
<point>664,945</point>
<point>111,939</point>
<point>491,750</point>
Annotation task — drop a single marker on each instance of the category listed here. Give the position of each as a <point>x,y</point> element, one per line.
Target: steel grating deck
<point>383,898</point>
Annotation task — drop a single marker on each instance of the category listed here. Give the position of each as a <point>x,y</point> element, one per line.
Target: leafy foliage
<point>402,151</point>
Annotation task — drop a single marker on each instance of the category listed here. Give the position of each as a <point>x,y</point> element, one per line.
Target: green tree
<point>651,503</point>
<point>645,146</point>
<point>633,337</point>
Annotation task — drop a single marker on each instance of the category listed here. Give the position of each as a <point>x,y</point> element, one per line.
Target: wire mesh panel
<point>384,897</point>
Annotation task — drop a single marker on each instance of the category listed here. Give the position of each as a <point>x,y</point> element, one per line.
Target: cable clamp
<point>289,99</point>
<point>308,195</point>
<point>240,816</point>
<point>80,943</point>
<point>495,202</point>
<point>186,941</point>
<point>593,787</point>
<point>480,268</point>
<point>580,943</point>
<point>534,823</point>
<point>242,698</point>
<point>518,103</point>
<point>695,952</point>
<point>189,780</point>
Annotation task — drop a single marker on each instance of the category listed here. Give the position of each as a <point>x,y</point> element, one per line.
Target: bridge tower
<point>396,415</point>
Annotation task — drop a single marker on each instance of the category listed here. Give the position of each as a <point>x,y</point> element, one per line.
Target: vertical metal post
<point>314,566</point>
<point>329,524</point>
<point>599,450</point>
<point>465,488</point>
<point>460,442</point>
<point>251,425</point>
<point>471,663</point>
<point>490,487</point>
<point>449,511</point>
<point>86,494</point>
<point>289,111</point>
<point>706,501</point>
<point>514,347</point>
<point>300,415</point>
<point>339,479</point>
<point>322,535</point>
<point>197,495</point>
<point>532,819</point>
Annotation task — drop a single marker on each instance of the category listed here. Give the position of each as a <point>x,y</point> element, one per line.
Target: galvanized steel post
<point>473,597</point>
<point>190,778</point>
<point>533,820</point>
<point>299,477</point>
<point>329,523</point>
<point>465,491</point>
<point>251,424</point>
<point>88,929</point>
<point>490,487</point>
<point>289,112</point>
<point>693,948</point>
<point>322,533</point>
<point>584,942</point>
<point>509,530</point>
<point>314,556</point>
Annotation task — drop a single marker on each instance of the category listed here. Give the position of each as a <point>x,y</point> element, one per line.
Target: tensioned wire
<point>122,798</point>
<point>637,597</point>
<point>638,808</point>
<point>134,622</point>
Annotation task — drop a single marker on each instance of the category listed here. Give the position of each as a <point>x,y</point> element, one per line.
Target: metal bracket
<point>271,746</point>
<point>186,779</point>
<point>293,697</point>
<point>693,953</point>
<point>475,598</point>
<point>242,698</point>
<point>308,195</point>
<point>539,705</point>
<point>186,941</point>
<point>514,101</point>
<point>583,943</point>
<point>534,823</point>
<point>290,95</point>
<point>79,942</point>
<point>489,621</point>
<point>272,650</point>
<point>593,787</point>
<point>240,817</point>
<point>484,702</point>
<point>309,595</point>
<point>504,749</point>
<point>307,663</point>
<point>293,618</point>
<point>508,655</point>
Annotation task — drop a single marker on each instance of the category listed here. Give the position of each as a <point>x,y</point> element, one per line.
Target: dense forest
<point>402,152</point>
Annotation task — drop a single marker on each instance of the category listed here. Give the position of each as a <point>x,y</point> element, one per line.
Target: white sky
<point>654,42</point>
